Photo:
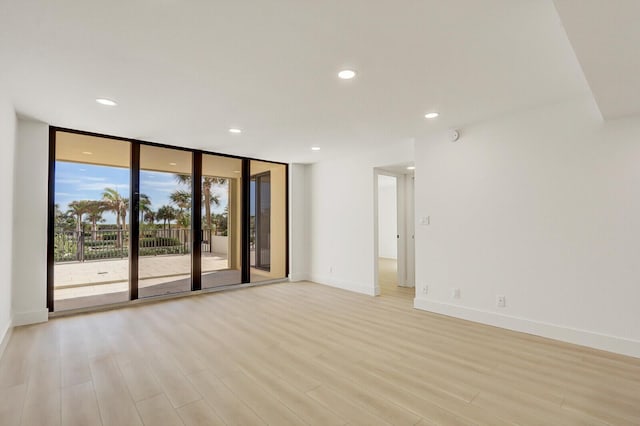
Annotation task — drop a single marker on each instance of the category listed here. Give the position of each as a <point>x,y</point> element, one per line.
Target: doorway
<point>394,234</point>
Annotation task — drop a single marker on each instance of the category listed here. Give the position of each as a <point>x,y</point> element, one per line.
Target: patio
<point>91,283</point>
<point>103,282</point>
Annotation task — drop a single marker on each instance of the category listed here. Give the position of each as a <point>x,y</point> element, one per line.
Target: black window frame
<point>134,217</point>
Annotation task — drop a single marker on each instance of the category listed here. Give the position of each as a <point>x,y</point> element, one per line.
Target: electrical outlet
<point>501,301</point>
<point>425,289</point>
<point>455,293</point>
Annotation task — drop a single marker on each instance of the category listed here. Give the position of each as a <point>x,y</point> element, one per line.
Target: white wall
<point>298,222</point>
<point>341,206</point>
<point>30,223</point>
<point>387,217</point>
<point>220,244</point>
<point>7,147</point>
<point>544,208</point>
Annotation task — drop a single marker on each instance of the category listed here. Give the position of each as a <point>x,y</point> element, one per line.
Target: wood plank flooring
<point>301,354</point>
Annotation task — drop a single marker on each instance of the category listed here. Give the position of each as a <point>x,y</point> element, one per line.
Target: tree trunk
<point>118,235</point>
<point>207,203</point>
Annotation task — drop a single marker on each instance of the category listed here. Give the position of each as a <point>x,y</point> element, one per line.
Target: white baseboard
<point>5,335</point>
<point>30,317</point>
<point>356,287</point>
<point>302,276</point>
<point>566,334</point>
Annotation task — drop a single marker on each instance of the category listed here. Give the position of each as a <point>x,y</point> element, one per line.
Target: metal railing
<point>74,246</point>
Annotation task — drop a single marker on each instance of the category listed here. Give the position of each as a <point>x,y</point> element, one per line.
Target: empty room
<point>410,212</point>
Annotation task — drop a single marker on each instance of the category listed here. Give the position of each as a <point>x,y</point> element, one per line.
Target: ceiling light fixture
<point>107,102</point>
<point>235,130</point>
<point>172,164</point>
<point>347,74</point>
<point>87,152</point>
<point>411,167</point>
<point>431,115</point>
<point>315,148</point>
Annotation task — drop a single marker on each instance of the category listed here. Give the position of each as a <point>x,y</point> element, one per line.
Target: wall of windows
<point>131,220</point>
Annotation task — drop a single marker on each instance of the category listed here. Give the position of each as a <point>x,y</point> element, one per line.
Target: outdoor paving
<point>103,282</point>
<point>71,274</point>
<point>111,277</point>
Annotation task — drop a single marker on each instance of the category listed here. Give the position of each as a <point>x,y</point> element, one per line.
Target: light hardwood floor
<point>303,354</point>
<point>388,280</point>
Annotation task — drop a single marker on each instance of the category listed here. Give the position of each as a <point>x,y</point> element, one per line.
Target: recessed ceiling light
<point>347,74</point>
<point>172,164</point>
<point>87,152</point>
<point>107,102</point>
<point>431,115</point>
<point>236,171</point>
<point>315,148</point>
<point>234,130</point>
<point>411,167</point>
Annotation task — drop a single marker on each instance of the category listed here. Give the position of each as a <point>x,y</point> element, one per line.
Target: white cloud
<point>100,186</point>
<point>159,184</point>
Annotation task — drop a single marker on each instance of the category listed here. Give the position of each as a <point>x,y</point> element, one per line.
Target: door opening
<point>394,232</point>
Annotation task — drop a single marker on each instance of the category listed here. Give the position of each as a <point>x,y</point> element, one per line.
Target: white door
<point>411,242</point>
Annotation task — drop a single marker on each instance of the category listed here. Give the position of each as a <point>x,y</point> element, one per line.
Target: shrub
<point>106,254</point>
<point>158,251</point>
<point>97,243</point>
<point>159,242</point>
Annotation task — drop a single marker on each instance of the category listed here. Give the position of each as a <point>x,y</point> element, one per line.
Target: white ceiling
<point>185,71</point>
<point>605,35</point>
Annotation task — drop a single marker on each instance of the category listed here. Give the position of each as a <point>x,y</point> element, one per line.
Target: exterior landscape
<point>92,207</point>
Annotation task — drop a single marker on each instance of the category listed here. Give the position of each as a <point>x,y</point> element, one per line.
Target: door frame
<point>405,195</point>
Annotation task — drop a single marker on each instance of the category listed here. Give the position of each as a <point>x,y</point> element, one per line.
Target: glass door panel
<point>267,227</point>
<point>91,239</point>
<point>165,221</point>
<point>221,221</point>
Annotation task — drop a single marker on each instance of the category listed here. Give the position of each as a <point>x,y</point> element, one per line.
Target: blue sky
<point>75,181</point>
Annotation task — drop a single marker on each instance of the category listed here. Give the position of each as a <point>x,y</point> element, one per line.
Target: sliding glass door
<point>130,220</point>
<point>165,221</point>
<point>90,229</point>
<point>221,257</point>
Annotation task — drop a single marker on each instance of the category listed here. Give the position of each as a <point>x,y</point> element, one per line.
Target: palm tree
<point>114,202</point>
<point>64,221</point>
<point>144,206</point>
<point>150,216</point>
<point>182,199</point>
<point>208,198</point>
<point>78,209</point>
<point>166,214</point>
<point>95,209</point>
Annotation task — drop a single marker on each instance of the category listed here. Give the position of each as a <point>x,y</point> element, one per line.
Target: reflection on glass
<point>267,227</point>
<point>165,221</point>
<point>221,231</point>
<point>91,238</point>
